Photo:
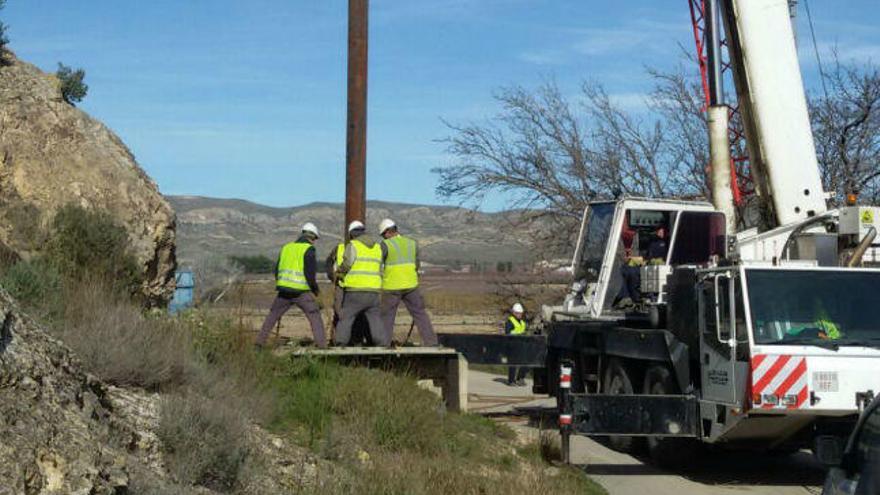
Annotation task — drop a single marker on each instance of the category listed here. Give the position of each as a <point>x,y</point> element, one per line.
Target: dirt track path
<point>621,474</point>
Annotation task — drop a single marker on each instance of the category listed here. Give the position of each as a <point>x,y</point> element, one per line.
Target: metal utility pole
<point>356,131</point>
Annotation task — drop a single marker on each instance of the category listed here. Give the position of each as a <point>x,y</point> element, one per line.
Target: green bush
<point>205,440</point>
<point>73,86</point>
<point>254,264</point>
<point>90,245</point>
<point>36,285</point>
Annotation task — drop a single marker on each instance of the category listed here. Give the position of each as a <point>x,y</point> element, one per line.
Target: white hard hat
<point>386,224</point>
<point>310,227</point>
<point>357,224</point>
<point>518,308</point>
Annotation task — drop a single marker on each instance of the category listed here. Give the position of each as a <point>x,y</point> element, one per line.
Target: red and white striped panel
<point>779,382</point>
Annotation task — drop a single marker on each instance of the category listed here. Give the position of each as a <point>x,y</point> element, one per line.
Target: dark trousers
<point>516,373</point>
<point>632,281</point>
<point>415,304</point>
<point>356,303</point>
<point>338,295</point>
<point>309,306</point>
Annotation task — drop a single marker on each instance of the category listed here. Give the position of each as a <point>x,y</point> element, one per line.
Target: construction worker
<point>400,281</point>
<point>296,283</point>
<point>631,271</point>
<point>516,325</point>
<point>332,263</point>
<point>361,272</point>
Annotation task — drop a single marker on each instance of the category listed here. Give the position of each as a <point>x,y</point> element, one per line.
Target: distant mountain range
<point>448,235</point>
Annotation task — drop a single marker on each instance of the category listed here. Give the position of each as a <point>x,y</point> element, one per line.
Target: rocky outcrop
<point>64,431</point>
<point>59,430</point>
<point>52,154</point>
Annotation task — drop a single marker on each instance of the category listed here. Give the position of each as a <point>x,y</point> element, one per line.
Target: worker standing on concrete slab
<point>296,283</point>
<point>516,325</point>
<point>361,272</point>
<point>400,282</point>
<point>333,262</point>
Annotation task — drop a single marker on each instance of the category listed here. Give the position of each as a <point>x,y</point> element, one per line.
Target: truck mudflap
<point>634,415</point>
<point>518,350</point>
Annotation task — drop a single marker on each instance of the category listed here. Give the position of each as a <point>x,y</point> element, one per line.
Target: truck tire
<point>667,451</point>
<point>617,381</point>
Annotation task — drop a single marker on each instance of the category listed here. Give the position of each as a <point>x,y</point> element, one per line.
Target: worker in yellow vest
<point>400,281</point>
<point>332,263</point>
<point>361,273</point>
<point>516,325</point>
<point>296,284</point>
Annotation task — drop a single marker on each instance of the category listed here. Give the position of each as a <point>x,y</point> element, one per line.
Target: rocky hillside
<point>64,431</point>
<point>448,235</point>
<point>52,154</point>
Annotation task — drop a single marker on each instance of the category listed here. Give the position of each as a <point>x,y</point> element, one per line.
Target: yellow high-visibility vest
<point>340,254</point>
<point>291,266</point>
<point>365,273</point>
<point>400,264</point>
<point>519,326</point>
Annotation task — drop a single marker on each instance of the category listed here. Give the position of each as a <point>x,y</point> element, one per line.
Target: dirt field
<point>457,303</point>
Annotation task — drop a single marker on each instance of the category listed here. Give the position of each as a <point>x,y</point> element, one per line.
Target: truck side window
<point>724,309</point>
<point>701,235</point>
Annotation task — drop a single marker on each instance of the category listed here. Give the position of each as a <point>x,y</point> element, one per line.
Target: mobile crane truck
<point>765,339</point>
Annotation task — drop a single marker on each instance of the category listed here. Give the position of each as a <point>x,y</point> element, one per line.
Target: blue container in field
<point>183,294</point>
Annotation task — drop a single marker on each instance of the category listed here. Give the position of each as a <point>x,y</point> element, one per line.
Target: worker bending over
<point>516,325</point>
<point>361,273</point>
<point>295,283</point>
<point>400,282</point>
<point>332,264</point>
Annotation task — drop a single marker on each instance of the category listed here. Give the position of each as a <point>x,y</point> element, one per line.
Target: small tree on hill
<point>73,87</point>
<point>4,39</point>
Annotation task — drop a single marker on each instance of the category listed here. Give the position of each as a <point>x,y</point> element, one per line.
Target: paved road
<point>621,474</point>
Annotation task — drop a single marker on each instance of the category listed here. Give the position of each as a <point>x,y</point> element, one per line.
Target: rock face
<point>60,430</point>
<point>52,154</point>
<point>63,431</point>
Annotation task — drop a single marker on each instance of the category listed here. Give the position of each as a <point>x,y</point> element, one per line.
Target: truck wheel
<point>667,451</point>
<point>617,381</point>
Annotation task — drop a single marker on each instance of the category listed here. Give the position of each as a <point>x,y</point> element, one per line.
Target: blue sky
<point>246,99</point>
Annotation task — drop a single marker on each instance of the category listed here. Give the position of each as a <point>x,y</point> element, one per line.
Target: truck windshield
<point>596,233</point>
<point>826,308</point>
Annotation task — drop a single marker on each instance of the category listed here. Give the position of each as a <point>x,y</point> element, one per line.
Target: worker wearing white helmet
<point>516,325</point>
<point>296,284</point>
<point>361,274</point>
<point>400,281</point>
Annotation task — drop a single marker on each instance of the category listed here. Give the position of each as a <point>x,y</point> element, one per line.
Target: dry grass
<point>382,433</point>
<point>205,440</point>
<point>119,344</point>
<point>393,437</point>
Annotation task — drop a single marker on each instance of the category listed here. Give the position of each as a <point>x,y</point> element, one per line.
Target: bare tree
<point>846,128</point>
<point>549,156</point>
<point>215,275</point>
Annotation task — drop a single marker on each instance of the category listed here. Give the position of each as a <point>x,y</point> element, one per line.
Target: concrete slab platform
<point>444,366</point>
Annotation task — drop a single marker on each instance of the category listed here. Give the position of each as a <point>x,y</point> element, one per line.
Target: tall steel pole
<point>356,131</point>
<point>713,52</point>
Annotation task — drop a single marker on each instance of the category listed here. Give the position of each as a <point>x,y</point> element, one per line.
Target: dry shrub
<point>119,344</point>
<point>396,438</point>
<point>205,440</point>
